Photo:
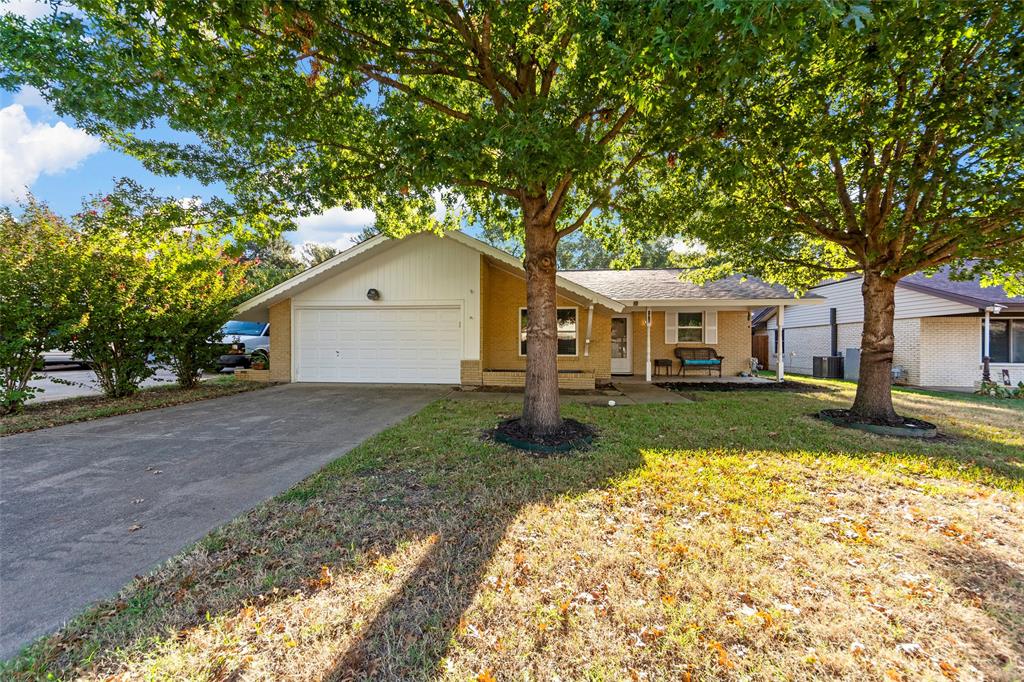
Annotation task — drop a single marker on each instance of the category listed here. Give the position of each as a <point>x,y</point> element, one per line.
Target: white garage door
<point>382,345</point>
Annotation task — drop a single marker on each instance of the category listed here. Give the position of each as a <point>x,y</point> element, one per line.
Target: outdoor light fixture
<point>373,294</point>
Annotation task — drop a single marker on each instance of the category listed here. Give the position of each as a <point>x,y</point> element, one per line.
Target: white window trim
<point>519,321</point>
<point>674,340</point>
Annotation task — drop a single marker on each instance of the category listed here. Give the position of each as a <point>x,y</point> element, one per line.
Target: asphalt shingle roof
<point>664,284</point>
<point>970,292</point>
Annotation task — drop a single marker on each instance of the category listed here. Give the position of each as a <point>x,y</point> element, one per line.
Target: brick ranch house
<point>452,310</point>
<point>942,329</point>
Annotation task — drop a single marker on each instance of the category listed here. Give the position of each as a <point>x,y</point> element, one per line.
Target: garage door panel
<point>388,345</point>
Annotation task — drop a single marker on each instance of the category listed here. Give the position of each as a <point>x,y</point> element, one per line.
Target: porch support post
<point>648,326</point>
<point>780,349</point>
<point>590,327</point>
<point>986,374</point>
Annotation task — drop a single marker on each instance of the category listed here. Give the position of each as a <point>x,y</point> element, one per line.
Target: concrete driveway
<point>70,496</point>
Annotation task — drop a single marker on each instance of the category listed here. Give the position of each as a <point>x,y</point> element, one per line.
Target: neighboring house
<point>940,329</point>
<point>452,310</point>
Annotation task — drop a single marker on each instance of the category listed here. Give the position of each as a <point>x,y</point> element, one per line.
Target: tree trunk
<point>540,398</point>
<point>874,385</point>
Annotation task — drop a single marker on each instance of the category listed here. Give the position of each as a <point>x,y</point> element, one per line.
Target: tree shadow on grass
<point>411,633</point>
<point>431,483</point>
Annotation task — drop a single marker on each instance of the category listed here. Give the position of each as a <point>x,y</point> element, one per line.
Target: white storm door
<point>622,345</point>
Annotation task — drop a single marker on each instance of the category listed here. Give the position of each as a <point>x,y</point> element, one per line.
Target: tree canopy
<point>534,115</point>
<point>890,145</point>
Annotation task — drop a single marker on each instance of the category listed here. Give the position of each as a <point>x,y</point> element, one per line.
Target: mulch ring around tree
<point>907,427</point>
<point>572,435</point>
<point>791,386</point>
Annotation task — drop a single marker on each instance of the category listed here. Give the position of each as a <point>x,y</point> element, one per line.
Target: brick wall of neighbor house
<point>951,351</point>
<point>502,294</point>
<point>733,341</point>
<point>281,341</point>
<point>907,348</point>
<point>803,343</point>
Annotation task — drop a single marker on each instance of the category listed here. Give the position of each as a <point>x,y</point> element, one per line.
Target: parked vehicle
<point>61,357</point>
<point>241,339</point>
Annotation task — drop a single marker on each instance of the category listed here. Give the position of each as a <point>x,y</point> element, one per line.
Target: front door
<point>622,345</point>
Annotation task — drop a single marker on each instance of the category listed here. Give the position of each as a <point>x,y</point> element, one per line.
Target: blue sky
<point>47,155</point>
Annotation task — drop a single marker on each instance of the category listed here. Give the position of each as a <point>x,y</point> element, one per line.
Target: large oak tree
<point>527,112</point>
<point>888,145</point>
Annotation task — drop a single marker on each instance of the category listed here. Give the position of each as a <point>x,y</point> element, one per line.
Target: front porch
<point>632,379</point>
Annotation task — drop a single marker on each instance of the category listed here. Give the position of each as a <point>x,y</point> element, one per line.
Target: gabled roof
<point>380,243</point>
<point>969,293</point>
<point>664,287</point>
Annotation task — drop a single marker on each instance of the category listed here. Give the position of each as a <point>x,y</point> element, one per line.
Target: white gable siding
<point>847,299</point>
<point>418,271</point>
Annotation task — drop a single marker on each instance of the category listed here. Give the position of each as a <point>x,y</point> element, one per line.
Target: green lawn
<point>84,408</point>
<point>733,537</point>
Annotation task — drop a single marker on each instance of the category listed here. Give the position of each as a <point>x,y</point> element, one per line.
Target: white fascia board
<point>722,302</point>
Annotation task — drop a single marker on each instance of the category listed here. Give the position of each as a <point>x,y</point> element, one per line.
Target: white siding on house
<point>422,270</point>
<point>848,301</point>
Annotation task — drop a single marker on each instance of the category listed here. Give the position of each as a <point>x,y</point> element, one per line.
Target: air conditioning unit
<point>828,366</point>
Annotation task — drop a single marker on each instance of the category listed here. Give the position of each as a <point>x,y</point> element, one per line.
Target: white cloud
<point>28,150</point>
<point>30,98</point>
<point>335,227</point>
<point>30,9</point>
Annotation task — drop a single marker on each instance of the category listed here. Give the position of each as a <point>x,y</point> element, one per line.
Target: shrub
<point>991,388</point>
<point>124,299</point>
<point>201,285</point>
<point>40,299</point>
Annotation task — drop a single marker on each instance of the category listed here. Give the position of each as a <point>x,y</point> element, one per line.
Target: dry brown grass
<point>85,408</point>
<point>733,538</point>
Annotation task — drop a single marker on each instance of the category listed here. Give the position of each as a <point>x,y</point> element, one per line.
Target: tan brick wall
<point>281,341</point>
<point>733,341</point>
<point>575,380</point>
<point>471,372</point>
<point>951,352</point>
<point>907,348</point>
<point>256,375</point>
<point>502,295</point>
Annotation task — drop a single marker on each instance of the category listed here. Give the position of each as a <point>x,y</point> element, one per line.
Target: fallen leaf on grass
<point>948,670</point>
<point>723,655</point>
<point>486,676</point>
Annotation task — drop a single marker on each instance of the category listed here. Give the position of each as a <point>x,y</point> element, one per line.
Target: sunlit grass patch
<point>736,536</point>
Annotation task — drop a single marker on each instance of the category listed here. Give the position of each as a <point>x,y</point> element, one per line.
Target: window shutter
<point>671,322</point>
<point>711,327</point>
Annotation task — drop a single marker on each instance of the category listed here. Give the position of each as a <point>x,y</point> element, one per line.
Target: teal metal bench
<point>701,358</point>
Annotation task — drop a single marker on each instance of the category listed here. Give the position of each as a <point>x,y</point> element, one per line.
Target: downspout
<point>648,326</point>
<point>834,328</point>
<point>986,373</point>
<point>590,327</point>
<point>780,372</point>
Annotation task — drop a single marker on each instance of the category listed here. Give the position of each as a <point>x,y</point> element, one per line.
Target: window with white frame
<point>567,326</point>
<point>1006,340</point>
<point>688,327</point>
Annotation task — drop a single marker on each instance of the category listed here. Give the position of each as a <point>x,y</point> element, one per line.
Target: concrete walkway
<point>626,393</point>
<point>85,507</point>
